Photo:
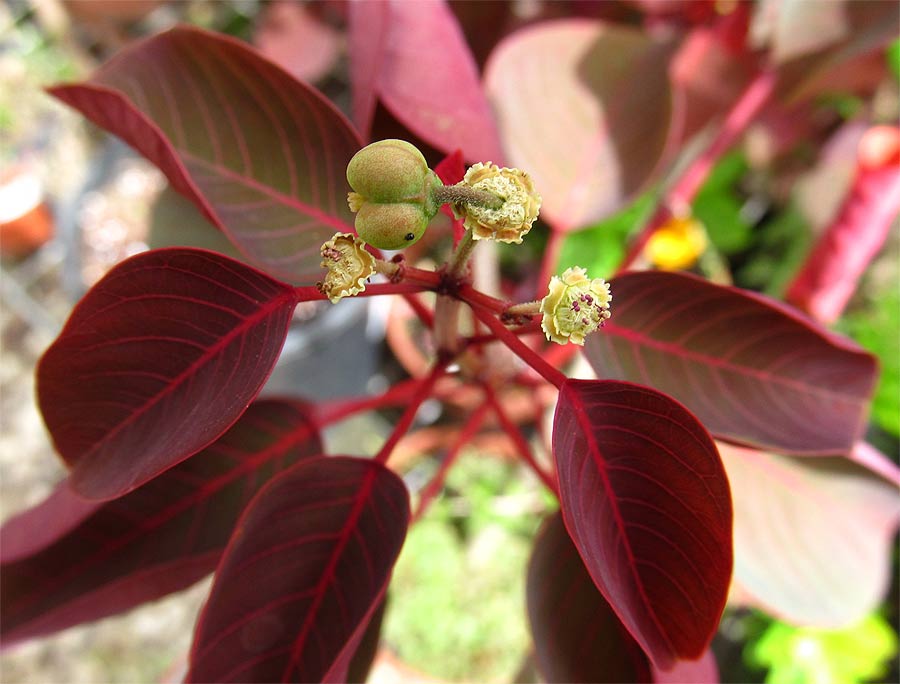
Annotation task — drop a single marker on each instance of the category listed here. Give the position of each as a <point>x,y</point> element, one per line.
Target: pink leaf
<point>645,499</point>
<point>156,361</point>
<point>263,155</point>
<point>583,107</point>
<point>414,58</point>
<point>303,574</point>
<point>813,538</point>
<point>749,369</point>
<point>161,537</point>
<point>294,38</point>
<point>832,271</point>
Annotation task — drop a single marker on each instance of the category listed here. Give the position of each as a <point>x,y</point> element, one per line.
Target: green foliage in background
<point>876,326</point>
<point>807,655</point>
<point>601,248</point>
<point>457,603</point>
<point>719,206</point>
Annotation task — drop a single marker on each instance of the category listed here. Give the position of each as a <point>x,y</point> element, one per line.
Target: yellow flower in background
<point>575,306</point>
<point>349,266</point>
<point>677,244</point>
<point>513,219</point>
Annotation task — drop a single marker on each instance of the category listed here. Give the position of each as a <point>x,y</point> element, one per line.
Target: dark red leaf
<point>832,271</point>
<point>645,499</point>
<point>752,371</point>
<point>813,537</point>
<point>571,115</point>
<point>414,58</point>
<point>577,636</point>
<point>303,574</point>
<point>161,537</point>
<point>156,361</point>
<point>364,655</point>
<point>262,154</point>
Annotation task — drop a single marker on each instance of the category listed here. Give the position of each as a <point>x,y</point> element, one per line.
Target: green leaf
<point>601,248</point>
<point>796,655</point>
<point>877,328</point>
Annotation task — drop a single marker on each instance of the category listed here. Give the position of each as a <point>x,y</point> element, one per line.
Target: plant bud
<point>393,193</point>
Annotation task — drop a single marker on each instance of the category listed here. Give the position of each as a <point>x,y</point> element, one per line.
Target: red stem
<point>336,411</point>
<point>406,420</point>
<point>425,314</point>
<point>522,350</point>
<point>518,439</point>
<point>472,296</point>
<point>549,261</point>
<point>310,293</point>
<point>680,195</point>
<point>466,435</point>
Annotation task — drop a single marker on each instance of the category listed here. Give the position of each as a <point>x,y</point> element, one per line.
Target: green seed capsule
<point>393,193</point>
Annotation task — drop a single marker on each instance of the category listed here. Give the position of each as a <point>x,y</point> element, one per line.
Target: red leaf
<point>571,115</point>
<point>577,636</point>
<point>303,574</point>
<point>813,538</point>
<point>645,499</point>
<point>156,361</point>
<point>161,537</point>
<point>37,528</point>
<point>414,58</point>
<point>263,155</point>
<point>750,370</point>
<point>832,271</point>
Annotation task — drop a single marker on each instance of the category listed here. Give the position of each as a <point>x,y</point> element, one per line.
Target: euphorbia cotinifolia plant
<point>177,470</point>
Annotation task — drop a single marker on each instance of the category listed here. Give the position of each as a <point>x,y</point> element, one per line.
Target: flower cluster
<point>575,306</point>
<point>512,220</point>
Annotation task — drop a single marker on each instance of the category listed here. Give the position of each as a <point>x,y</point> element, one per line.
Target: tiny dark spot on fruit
<point>409,236</point>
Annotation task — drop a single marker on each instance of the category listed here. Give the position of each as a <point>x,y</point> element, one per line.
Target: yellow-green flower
<point>575,306</point>
<point>349,266</point>
<point>513,219</point>
<point>677,244</point>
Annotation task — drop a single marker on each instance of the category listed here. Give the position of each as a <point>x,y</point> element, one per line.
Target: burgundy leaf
<point>752,371</point>
<point>262,154</point>
<point>303,574</point>
<point>413,57</point>
<point>161,537</point>
<point>813,537</point>
<point>571,115</point>
<point>364,654</point>
<point>577,636</point>
<point>156,361</point>
<point>832,271</point>
<point>645,499</point>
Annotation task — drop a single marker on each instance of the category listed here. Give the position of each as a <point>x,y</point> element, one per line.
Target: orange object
<point>25,219</point>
